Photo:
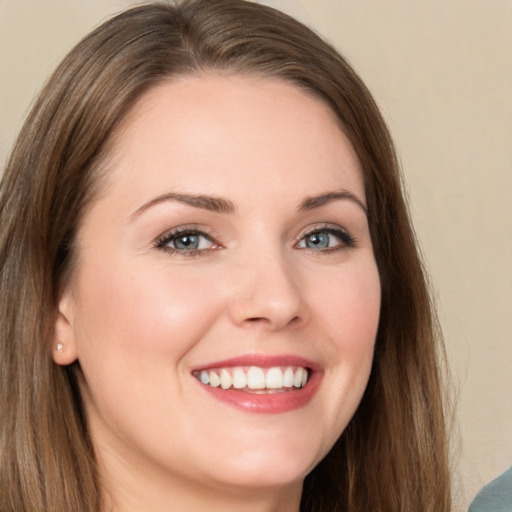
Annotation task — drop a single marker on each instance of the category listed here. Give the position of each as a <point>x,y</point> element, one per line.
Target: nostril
<point>268,321</point>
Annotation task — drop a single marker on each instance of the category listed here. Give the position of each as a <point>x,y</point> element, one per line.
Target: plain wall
<point>441,70</point>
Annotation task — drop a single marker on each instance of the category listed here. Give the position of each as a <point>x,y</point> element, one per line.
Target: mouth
<point>255,379</point>
<point>263,384</point>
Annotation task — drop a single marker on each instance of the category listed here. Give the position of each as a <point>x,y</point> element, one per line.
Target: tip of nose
<point>268,302</point>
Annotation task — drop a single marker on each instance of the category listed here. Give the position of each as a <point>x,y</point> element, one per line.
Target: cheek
<point>146,313</point>
<point>348,313</point>
<point>348,305</point>
<point>134,331</point>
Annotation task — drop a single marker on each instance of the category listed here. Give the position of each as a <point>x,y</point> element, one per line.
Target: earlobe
<point>63,344</point>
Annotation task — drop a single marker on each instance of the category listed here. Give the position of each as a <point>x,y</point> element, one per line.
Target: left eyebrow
<point>316,201</point>
<point>204,202</point>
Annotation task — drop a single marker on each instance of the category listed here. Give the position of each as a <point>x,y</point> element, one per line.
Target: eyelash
<point>347,240</point>
<point>163,241</point>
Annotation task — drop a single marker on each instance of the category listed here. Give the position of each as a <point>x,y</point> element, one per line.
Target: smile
<point>259,383</point>
<point>255,379</point>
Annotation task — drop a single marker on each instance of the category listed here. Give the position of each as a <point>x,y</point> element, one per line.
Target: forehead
<point>227,129</point>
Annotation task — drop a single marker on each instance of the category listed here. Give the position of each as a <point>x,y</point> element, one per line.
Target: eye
<point>186,241</point>
<point>326,239</point>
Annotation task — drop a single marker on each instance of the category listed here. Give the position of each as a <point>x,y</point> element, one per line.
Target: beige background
<point>441,71</point>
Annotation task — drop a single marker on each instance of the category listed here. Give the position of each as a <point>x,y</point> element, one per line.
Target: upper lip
<point>261,360</point>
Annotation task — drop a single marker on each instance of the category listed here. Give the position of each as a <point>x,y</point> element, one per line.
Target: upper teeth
<point>254,377</point>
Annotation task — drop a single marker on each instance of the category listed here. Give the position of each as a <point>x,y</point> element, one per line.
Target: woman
<point>211,295</point>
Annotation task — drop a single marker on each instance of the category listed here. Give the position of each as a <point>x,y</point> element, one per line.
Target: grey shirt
<point>496,496</point>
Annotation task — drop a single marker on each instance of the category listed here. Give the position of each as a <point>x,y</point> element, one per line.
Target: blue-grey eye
<point>320,240</point>
<point>186,241</point>
<point>325,239</point>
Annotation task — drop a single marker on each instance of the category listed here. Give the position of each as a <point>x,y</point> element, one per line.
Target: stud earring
<point>59,347</point>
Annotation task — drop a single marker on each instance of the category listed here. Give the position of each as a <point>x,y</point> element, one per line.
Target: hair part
<point>393,455</point>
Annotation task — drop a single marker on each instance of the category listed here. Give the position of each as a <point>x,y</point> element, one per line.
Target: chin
<point>266,467</point>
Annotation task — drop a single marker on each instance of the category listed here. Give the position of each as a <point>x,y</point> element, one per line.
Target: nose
<point>267,293</point>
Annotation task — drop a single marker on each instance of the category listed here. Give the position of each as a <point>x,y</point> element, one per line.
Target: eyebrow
<point>210,203</point>
<point>313,202</point>
<point>221,205</point>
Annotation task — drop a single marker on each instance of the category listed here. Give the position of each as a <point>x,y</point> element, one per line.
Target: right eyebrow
<point>205,202</point>
<point>316,201</point>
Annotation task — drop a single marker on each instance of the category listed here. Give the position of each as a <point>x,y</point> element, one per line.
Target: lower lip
<point>267,403</point>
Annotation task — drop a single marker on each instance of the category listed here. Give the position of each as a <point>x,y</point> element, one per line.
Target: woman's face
<point>227,261</point>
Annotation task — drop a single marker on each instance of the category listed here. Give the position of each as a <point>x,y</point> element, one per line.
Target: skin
<point>139,318</point>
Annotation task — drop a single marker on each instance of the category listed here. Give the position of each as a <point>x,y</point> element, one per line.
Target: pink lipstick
<point>260,383</point>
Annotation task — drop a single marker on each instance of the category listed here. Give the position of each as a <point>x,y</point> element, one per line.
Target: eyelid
<point>162,241</point>
<point>347,239</point>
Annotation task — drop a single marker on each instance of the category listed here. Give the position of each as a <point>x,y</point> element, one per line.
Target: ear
<point>64,350</point>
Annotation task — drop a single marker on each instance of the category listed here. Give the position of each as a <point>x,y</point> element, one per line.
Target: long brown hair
<point>393,455</point>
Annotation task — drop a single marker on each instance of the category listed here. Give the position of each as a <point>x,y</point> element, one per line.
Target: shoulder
<point>495,496</point>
